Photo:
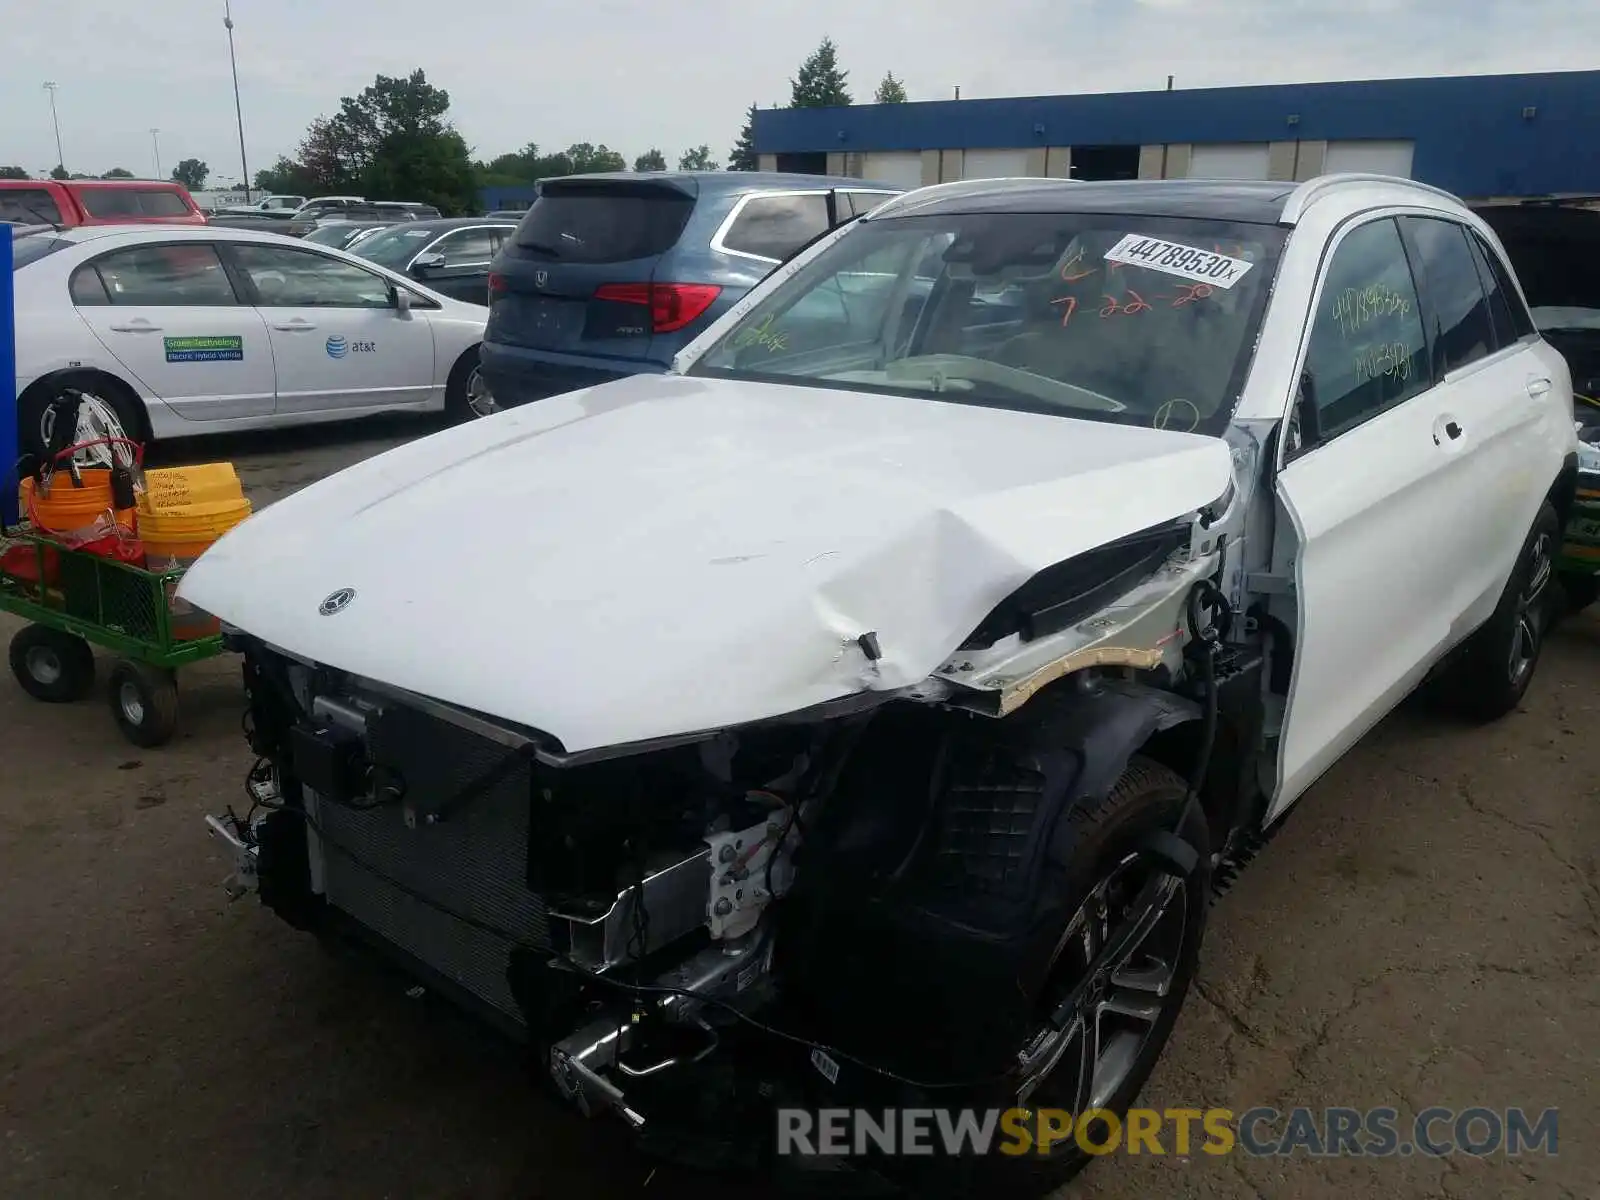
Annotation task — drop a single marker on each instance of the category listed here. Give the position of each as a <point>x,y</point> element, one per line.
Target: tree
<point>191,172</point>
<point>586,159</point>
<point>651,160</point>
<point>118,173</point>
<point>743,155</point>
<point>393,141</point>
<point>890,91</point>
<point>820,84</point>
<point>286,178</point>
<point>59,172</point>
<point>14,173</point>
<point>698,159</point>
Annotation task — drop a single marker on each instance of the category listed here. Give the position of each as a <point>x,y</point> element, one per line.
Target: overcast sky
<point>640,73</point>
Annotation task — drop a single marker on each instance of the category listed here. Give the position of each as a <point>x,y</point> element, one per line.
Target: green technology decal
<point>204,349</point>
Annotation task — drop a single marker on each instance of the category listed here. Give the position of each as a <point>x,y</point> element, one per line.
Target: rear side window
<point>29,206</point>
<point>776,226</point>
<point>603,223</point>
<point>1512,321</point>
<point>861,203</point>
<point>1464,332</point>
<point>132,202</point>
<point>184,275</point>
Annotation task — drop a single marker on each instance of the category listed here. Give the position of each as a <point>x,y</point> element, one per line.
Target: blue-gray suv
<point>612,274</point>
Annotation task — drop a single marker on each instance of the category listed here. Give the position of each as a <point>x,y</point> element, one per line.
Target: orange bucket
<point>68,509</point>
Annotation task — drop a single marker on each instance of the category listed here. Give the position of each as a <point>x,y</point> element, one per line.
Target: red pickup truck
<point>69,202</point>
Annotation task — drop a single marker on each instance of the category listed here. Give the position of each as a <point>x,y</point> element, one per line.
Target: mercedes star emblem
<point>337,602</point>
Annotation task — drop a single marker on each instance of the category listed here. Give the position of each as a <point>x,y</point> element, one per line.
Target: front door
<point>338,339</point>
<point>1365,490</point>
<point>170,315</point>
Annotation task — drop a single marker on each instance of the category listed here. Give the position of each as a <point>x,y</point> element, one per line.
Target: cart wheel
<point>52,666</point>
<point>144,700</point>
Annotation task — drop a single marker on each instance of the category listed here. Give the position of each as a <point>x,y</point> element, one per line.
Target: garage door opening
<point>1092,163</point>
<point>803,164</point>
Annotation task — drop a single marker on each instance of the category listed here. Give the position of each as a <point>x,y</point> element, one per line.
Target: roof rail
<point>934,192</point>
<point>1312,189</point>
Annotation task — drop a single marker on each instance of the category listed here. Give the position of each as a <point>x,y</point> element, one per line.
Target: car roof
<point>442,224</point>
<point>709,182</point>
<point>1262,202</point>
<point>1252,201</point>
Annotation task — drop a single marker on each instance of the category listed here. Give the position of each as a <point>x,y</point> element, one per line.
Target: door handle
<point>1538,387</point>
<point>138,327</point>
<point>296,327</point>
<point>1446,427</point>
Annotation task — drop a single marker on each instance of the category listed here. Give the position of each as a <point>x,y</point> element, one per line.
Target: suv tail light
<point>672,305</point>
<point>497,286</point>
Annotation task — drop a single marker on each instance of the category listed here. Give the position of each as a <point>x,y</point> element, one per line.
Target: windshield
<point>1137,320</point>
<point>332,235</point>
<point>394,248</point>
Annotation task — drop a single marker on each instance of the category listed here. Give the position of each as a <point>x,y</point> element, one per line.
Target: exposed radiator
<point>474,862</point>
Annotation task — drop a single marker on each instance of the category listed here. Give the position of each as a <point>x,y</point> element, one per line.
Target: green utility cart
<point>73,599</point>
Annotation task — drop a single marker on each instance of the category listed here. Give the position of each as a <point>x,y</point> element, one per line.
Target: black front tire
<point>1148,798</point>
<point>467,397</point>
<point>52,666</point>
<point>144,702</point>
<point>1497,663</point>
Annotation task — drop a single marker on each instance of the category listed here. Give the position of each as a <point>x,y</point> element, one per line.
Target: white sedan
<point>211,330</point>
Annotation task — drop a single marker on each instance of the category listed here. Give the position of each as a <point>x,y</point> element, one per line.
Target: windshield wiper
<point>541,248</point>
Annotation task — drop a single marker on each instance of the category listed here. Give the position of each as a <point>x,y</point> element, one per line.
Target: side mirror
<point>428,262</point>
<point>402,301</point>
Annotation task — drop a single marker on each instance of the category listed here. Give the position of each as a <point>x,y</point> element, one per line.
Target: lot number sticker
<point>1174,258</point>
<point>203,349</point>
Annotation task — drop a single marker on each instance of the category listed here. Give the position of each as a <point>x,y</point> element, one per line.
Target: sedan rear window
<point>32,248</point>
<point>132,202</point>
<point>603,222</point>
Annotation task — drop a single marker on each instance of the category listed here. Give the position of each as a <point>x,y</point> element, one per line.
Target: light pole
<point>50,86</point>
<point>155,148</point>
<point>238,111</point>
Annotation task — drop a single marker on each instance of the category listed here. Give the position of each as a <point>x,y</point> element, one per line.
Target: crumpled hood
<point>663,555</point>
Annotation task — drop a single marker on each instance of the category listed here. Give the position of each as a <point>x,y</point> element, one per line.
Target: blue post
<point>8,386</point>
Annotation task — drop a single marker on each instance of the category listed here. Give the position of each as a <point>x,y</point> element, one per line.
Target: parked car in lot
<point>188,331</point>
<point>1555,248</point>
<point>613,274</point>
<point>891,683</point>
<point>450,256</point>
<point>74,202</point>
<point>383,211</point>
<point>268,206</point>
<point>341,234</point>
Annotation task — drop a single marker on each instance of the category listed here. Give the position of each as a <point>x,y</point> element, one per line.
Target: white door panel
<point>170,315</point>
<point>331,358</point>
<point>338,339</point>
<point>1371,580</point>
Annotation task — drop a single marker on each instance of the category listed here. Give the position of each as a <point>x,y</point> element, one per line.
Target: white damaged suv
<point>862,713</point>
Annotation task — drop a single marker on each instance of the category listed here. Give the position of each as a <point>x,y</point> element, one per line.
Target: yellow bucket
<point>177,487</point>
<point>174,538</point>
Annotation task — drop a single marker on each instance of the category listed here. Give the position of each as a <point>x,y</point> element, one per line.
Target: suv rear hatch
<point>581,276</point>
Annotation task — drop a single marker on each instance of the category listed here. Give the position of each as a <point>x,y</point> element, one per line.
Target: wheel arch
<point>88,379</point>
